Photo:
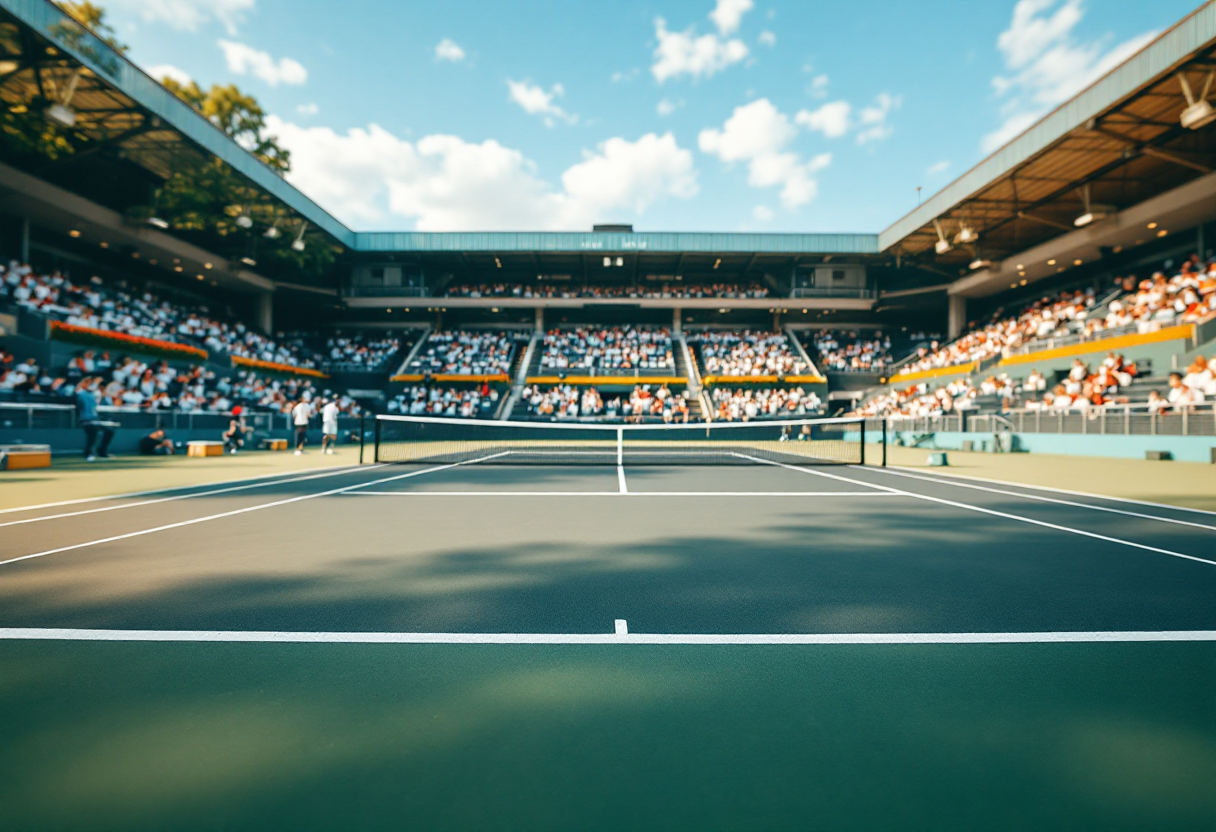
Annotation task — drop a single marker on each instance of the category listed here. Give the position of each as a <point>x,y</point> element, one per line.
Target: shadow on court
<point>205,736</point>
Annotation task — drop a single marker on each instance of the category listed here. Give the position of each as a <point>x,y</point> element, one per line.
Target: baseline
<point>616,638</point>
<point>1148,503</point>
<point>295,478</point>
<point>360,493</point>
<point>131,494</point>
<point>235,512</point>
<point>994,513</point>
<point>1045,499</point>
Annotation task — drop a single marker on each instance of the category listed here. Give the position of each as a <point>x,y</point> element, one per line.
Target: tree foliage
<point>94,18</point>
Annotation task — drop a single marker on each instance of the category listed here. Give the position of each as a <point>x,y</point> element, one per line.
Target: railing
<point>364,291</point>
<point>1040,344</point>
<point>1119,420</point>
<point>40,416</point>
<point>828,292</point>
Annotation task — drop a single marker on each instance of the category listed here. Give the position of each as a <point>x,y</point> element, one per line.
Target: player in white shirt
<point>329,426</point>
<point>300,415</point>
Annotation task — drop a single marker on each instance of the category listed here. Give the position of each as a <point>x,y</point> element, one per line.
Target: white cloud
<point>535,101</point>
<point>169,71</point>
<point>443,183</point>
<point>762,213</point>
<point>1046,64</point>
<point>938,167</point>
<point>187,15</point>
<point>448,50</point>
<point>686,53</point>
<point>310,109</point>
<point>767,39</point>
<point>728,14</point>
<point>243,59</point>
<point>667,106</point>
<point>758,134</point>
<point>619,76</point>
<point>872,120</point>
<point>832,120</point>
<point>818,87</point>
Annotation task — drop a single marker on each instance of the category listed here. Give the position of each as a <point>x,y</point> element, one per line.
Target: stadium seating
<point>746,353</point>
<point>461,352</point>
<point>557,290</point>
<point>608,350</point>
<point>745,405</point>
<point>843,351</point>
<point>418,400</point>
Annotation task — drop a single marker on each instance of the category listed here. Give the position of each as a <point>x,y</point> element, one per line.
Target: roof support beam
<point>1146,149</point>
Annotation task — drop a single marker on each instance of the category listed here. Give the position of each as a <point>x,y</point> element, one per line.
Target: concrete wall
<point>1186,448</point>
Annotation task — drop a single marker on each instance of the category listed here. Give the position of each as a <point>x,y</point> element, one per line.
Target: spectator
<point>156,444</point>
<point>90,420</point>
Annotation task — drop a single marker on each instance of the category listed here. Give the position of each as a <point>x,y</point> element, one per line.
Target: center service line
<point>621,636</point>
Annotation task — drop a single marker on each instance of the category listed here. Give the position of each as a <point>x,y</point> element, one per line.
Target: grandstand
<point>654,404</point>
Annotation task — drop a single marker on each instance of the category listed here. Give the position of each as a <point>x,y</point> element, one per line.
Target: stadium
<point>306,526</point>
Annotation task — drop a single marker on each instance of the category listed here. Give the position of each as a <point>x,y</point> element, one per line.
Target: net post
<point>620,446</point>
<point>362,433</point>
<point>376,457</point>
<point>863,440</point>
<point>884,441</point>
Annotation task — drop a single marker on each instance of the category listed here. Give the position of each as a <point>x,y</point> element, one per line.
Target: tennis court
<point>556,645</point>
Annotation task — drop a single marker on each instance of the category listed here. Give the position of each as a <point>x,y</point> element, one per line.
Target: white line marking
<point>235,512</point>
<point>1166,506</point>
<point>131,494</point>
<point>261,637</point>
<point>620,479</point>
<point>619,494</point>
<point>1041,499</point>
<point>213,492</point>
<point>992,512</point>
<point>622,627</point>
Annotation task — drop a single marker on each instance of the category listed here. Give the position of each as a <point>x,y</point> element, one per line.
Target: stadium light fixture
<point>620,261</point>
<point>244,220</point>
<point>942,245</point>
<point>157,222</point>
<point>965,235</point>
<point>206,265</point>
<point>61,114</point>
<point>1162,233</point>
<point>979,263</point>
<point>7,67</point>
<point>607,262</point>
<point>249,261</point>
<point>1093,210</point>
<point>298,243</point>
<point>1199,112</point>
<point>73,233</point>
<point>1051,262</point>
<point>1152,225</point>
<point>272,233</point>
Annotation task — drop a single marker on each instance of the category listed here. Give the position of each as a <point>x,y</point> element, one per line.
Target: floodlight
<point>966,235</point>
<point>157,222</point>
<point>272,233</point>
<point>244,221</point>
<point>298,243</point>
<point>979,263</point>
<point>61,114</point>
<point>607,262</point>
<point>942,245</point>
<point>1199,112</point>
<point>620,261</point>
<point>249,261</point>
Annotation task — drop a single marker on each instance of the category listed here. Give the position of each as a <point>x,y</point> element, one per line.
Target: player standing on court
<point>300,414</point>
<point>329,426</point>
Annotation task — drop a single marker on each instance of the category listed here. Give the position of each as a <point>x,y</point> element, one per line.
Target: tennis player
<point>329,426</point>
<point>300,415</point>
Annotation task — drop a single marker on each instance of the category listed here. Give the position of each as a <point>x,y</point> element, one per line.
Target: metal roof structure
<point>1117,143</point>
<point>615,241</point>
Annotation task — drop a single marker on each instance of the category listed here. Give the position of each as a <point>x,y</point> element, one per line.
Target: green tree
<point>94,18</point>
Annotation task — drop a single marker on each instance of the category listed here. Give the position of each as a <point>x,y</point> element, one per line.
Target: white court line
<point>131,494</point>
<point>616,638</point>
<point>245,510</point>
<point>1166,506</point>
<point>990,511</point>
<point>620,494</point>
<point>1042,499</point>
<point>620,479</point>
<point>211,493</point>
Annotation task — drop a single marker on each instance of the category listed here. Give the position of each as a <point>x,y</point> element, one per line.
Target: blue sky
<point>713,115</point>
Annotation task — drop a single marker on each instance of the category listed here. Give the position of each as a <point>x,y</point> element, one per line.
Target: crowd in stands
<point>95,305</point>
<point>1145,305</point>
<point>474,403</point>
<point>747,353</point>
<point>461,352</point>
<point>608,349</point>
<point>360,351</point>
<point>133,383</point>
<point>678,291</point>
<point>643,404</point>
<point>768,403</point>
<point>845,352</point>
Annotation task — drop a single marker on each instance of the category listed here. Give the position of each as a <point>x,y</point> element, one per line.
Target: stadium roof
<point>616,241</point>
<point>1117,143</point>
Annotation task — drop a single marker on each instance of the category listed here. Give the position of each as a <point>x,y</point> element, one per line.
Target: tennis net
<point>424,439</point>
